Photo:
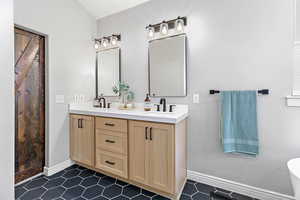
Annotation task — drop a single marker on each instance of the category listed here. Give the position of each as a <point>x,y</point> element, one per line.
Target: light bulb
<point>179,25</point>
<point>104,42</point>
<point>164,28</point>
<point>151,31</point>
<point>113,40</point>
<point>97,45</point>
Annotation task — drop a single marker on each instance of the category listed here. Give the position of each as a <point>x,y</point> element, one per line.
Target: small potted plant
<point>126,95</point>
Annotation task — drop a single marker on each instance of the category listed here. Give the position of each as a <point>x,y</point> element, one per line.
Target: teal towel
<point>239,122</point>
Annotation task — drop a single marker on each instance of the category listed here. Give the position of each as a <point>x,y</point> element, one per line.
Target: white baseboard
<point>48,171</point>
<point>237,187</point>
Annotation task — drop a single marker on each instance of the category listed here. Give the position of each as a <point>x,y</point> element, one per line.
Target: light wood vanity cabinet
<point>148,154</point>
<point>82,139</point>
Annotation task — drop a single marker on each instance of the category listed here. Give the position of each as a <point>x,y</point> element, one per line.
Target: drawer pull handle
<point>110,141</point>
<point>109,124</point>
<point>110,163</point>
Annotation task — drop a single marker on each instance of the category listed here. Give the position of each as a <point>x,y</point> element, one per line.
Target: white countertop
<point>180,113</point>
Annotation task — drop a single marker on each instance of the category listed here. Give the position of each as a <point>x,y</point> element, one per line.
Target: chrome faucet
<point>164,103</point>
<point>104,102</point>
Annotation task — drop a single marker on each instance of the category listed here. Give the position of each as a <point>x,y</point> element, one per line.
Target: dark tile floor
<point>80,183</point>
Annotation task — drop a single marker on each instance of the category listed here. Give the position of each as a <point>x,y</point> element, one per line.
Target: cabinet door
<point>82,139</point>
<point>138,155</point>
<point>161,156</point>
<point>75,133</point>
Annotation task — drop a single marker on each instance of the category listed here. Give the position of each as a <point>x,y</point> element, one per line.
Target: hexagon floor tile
<point>77,182</point>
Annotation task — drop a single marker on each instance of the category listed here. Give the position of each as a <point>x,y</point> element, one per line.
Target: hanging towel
<point>239,122</point>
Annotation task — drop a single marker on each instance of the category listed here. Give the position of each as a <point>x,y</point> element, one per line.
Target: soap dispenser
<point>147,103</point>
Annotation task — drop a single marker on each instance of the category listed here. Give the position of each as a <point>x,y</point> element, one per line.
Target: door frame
<point>47,100</point>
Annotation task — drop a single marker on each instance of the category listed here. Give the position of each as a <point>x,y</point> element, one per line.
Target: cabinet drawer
<point>111,141</point>
<point>112,163</point>
<point>111,124</point>
<point>84,117</point>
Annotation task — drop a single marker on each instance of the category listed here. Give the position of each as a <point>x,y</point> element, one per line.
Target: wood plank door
<point>161,156</point>
<point>138,152</point>
<point>29,104</point>
<point>82,139</point>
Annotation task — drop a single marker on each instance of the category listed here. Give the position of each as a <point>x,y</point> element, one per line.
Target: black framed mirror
<point>108,71</point>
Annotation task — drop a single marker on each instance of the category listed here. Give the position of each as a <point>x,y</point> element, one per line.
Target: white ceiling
<point>102,8</point>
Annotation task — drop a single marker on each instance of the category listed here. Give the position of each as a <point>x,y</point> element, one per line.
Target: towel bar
<point>263,91</point>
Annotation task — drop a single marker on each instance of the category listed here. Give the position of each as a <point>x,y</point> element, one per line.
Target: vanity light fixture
<point>97,44</point>
<point>104,42</point>
<point>164,28</point>
<point>113,40</point>
<point>151,31</point>
<point>179,25</point>
<point>107,41</point>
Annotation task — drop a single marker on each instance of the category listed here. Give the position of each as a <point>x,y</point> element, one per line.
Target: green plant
<point>123,89</point>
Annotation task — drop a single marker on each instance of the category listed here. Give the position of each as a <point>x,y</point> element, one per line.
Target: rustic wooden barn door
<point>29,104</point>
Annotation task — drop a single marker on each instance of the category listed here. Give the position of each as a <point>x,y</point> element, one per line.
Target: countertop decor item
<point>126,95</point>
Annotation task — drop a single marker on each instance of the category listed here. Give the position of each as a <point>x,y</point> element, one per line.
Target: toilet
<point>294,169</point>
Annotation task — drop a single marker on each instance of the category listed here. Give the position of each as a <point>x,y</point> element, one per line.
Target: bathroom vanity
<point>147,149</point>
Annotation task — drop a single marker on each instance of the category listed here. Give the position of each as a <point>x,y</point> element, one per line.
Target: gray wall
<point>70,68</point>
<point>7,100</point>
<point>297,21</point>
<point>232,44</point>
